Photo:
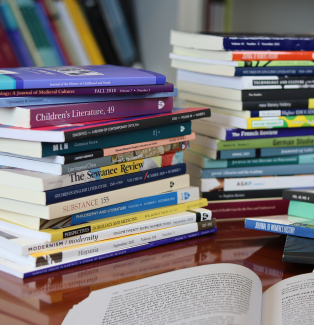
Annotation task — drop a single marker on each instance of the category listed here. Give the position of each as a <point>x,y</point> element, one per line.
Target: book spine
<point>84,112</point>
<point>269,152</point>
<point>266,142</point>
<point>107,223</point>
<point>257,105</point>
<point>94,15</point>
<point>267,44</point>
<point>52,16</point>
<point>113,197</point>
<point>238,134</point>
<point>270,161</point>
<point>282,112</point>
<point>85,165</point>
<point>134,124</point>
<point>277,83</point>
<point>129,155</point>
<point>145,203</point>
<point>126,230</point>
<point>38,32</point>
<point>274,71</point>
<point>236,195</point>
<point>149,144</point>
<point>167,159</point>
<point>278,228</point>
<point>101,91</point>
<point>74,38</point>
<point>252,184</point>
<point>121,252</point>
<point>263,122</point>
<point>296,195</point>
<point>247,209</point>
<point>118,139</point>
<point>85,32</point>
<point>25,32</point>
<point>275,63</point>
<point>82,156</point>
<point>57,100</point>
<point>96,201</point>
<point>11,28</point>
<point>8,55</point>
<point>118,243</point>
<point>257,171</point>
<point>55,49</point>
<point>129,167</point>
<point>271,55</point>
<point>229,154</point>
<point>280,122</point>
<point>80,188</point>
<point>293,96</point>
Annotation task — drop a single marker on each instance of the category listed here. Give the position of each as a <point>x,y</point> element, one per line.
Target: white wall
<point>273,16</point>
<point>153,21</point>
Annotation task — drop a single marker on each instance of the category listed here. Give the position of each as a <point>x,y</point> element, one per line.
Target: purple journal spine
<point>122,252</point>
<point>86,112</point>
<point>140,89</point>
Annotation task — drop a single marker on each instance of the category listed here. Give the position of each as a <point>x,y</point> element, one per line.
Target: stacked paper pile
<point>259,89</point>
<point>111,184</point>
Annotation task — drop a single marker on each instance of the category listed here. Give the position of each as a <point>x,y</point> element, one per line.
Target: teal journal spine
<point>118,139</point>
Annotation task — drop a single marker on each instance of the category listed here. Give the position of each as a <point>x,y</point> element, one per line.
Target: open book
<point>210,294</point>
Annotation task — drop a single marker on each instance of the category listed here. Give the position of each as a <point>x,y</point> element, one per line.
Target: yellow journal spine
<point>106,223</point>
<point>85,32</point>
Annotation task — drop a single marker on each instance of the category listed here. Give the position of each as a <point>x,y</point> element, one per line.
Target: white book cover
<point>240,83</point>
<point>258,183</point>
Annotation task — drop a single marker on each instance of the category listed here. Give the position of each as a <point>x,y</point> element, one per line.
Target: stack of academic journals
<point>92,167</point>
<point>260,137</point>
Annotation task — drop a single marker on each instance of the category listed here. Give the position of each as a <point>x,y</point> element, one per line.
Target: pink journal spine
<point>85,112</point>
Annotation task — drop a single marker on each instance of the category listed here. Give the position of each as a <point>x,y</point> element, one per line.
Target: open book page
<point>210,294</point>
<point>289,301</point>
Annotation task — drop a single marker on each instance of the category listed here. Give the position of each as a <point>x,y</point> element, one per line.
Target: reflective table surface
<point>46,299</point>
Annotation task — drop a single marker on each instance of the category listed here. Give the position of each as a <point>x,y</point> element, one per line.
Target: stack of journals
<point>259,90</point>
<point>298,224</point>
<point>110,184</point>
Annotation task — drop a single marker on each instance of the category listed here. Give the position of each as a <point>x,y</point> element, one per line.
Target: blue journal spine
<point>278,228</point>
<point>111,184</point>
<point>145,203</point>
<point>288,151</point>
<point>268,44</point>
<point>239,134</point>
<point>277,170</point>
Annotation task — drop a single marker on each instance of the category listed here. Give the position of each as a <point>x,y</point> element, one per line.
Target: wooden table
<point>46,299</point>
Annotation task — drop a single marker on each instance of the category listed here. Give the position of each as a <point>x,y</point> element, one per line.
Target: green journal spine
<point>265,143</point>
<point>118,139</point>
<point>301,209</point>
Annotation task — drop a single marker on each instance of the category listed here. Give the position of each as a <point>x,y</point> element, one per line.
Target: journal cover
<point>76,76</point>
